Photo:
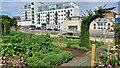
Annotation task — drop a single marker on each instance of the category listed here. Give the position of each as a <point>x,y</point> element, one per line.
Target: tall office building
<point>49,16</point>
<point>119,7</point>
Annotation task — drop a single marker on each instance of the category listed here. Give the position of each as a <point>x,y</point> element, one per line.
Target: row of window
<point>57,11</point>
<point>54,27</point>
<point>53,23</point>
<point>54,15</point>
<point>102,19</point>
<point>52,19</point>
<point>100,26</point>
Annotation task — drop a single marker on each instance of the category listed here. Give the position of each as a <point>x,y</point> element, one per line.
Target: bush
<point>37,50</point>
<point>80,48</point>
<point>12,39</point>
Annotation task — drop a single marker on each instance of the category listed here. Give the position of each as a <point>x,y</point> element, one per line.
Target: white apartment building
<point>48,16</point>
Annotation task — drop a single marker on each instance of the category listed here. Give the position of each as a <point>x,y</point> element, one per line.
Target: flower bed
<point>114,59</point>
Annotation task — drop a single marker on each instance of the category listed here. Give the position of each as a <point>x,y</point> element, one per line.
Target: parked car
<point>38,28</point>
<point>43,28</point>
<point>49,29</point>
<point>56,29</point>
<point>32,28</point>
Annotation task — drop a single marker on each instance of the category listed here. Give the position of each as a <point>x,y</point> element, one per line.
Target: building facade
<point>72,24</point>
<point>119,7</point>
<point>48,16</point>
<point>105,23</point>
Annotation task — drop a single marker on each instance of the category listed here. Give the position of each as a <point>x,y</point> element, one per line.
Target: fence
<point>103,49</point>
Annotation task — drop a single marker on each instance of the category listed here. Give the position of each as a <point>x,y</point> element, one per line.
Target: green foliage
<point>114,57</point>
<point>7,23</point>
<point>85,42</point>
<point>36,50</point>
<point>117,33</point>
<point>80,48</point>
<point>12,39</point>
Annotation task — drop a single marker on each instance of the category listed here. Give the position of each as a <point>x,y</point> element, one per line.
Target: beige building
<point>103,23</point>
<point>72,24</point>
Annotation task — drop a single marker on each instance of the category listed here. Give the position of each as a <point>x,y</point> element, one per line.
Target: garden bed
<point>75,52</point>
<point>74,44</point>
<point>37,51</point>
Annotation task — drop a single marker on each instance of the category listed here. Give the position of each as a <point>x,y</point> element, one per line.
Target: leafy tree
<point>117,33</point>
<point>4,23</point>
<point>13,22</point>
<point>7,23</point>
<point>7,27</point>
<point>0,27</point>
<point>86,20</point>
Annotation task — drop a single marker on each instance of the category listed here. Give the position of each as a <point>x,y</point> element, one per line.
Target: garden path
<point>79,56</point>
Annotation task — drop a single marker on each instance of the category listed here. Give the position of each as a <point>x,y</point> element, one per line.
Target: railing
<point>87,61</point>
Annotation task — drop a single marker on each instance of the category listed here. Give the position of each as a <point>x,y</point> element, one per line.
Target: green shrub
<point>12,39</point>
<point>80,48</point>
<point>37,50</point>
<point>66,56</point>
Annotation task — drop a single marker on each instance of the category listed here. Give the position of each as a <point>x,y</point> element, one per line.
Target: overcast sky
<point>13,7</point>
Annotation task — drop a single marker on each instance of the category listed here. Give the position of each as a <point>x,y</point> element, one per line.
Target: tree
<point>7,27</point>
<point>7,23</point>
<point>117,33</point>
<point>13,22</point>
<point>86,20</point>
<point>0,27</point>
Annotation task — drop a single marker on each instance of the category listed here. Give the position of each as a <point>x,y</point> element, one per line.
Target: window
<point>32,8</point>
<point>71,9</point>
<point>33,22</point>
<point>94,26</point>
<point>32,11</point>
<point>32,3</point>
<point>64,10</point>
<point>101,24</point>
<point>62,15</point>
<point>108,25</point>
<point>71,14</point>
<point>104,24</point>
<point>98,24</point>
